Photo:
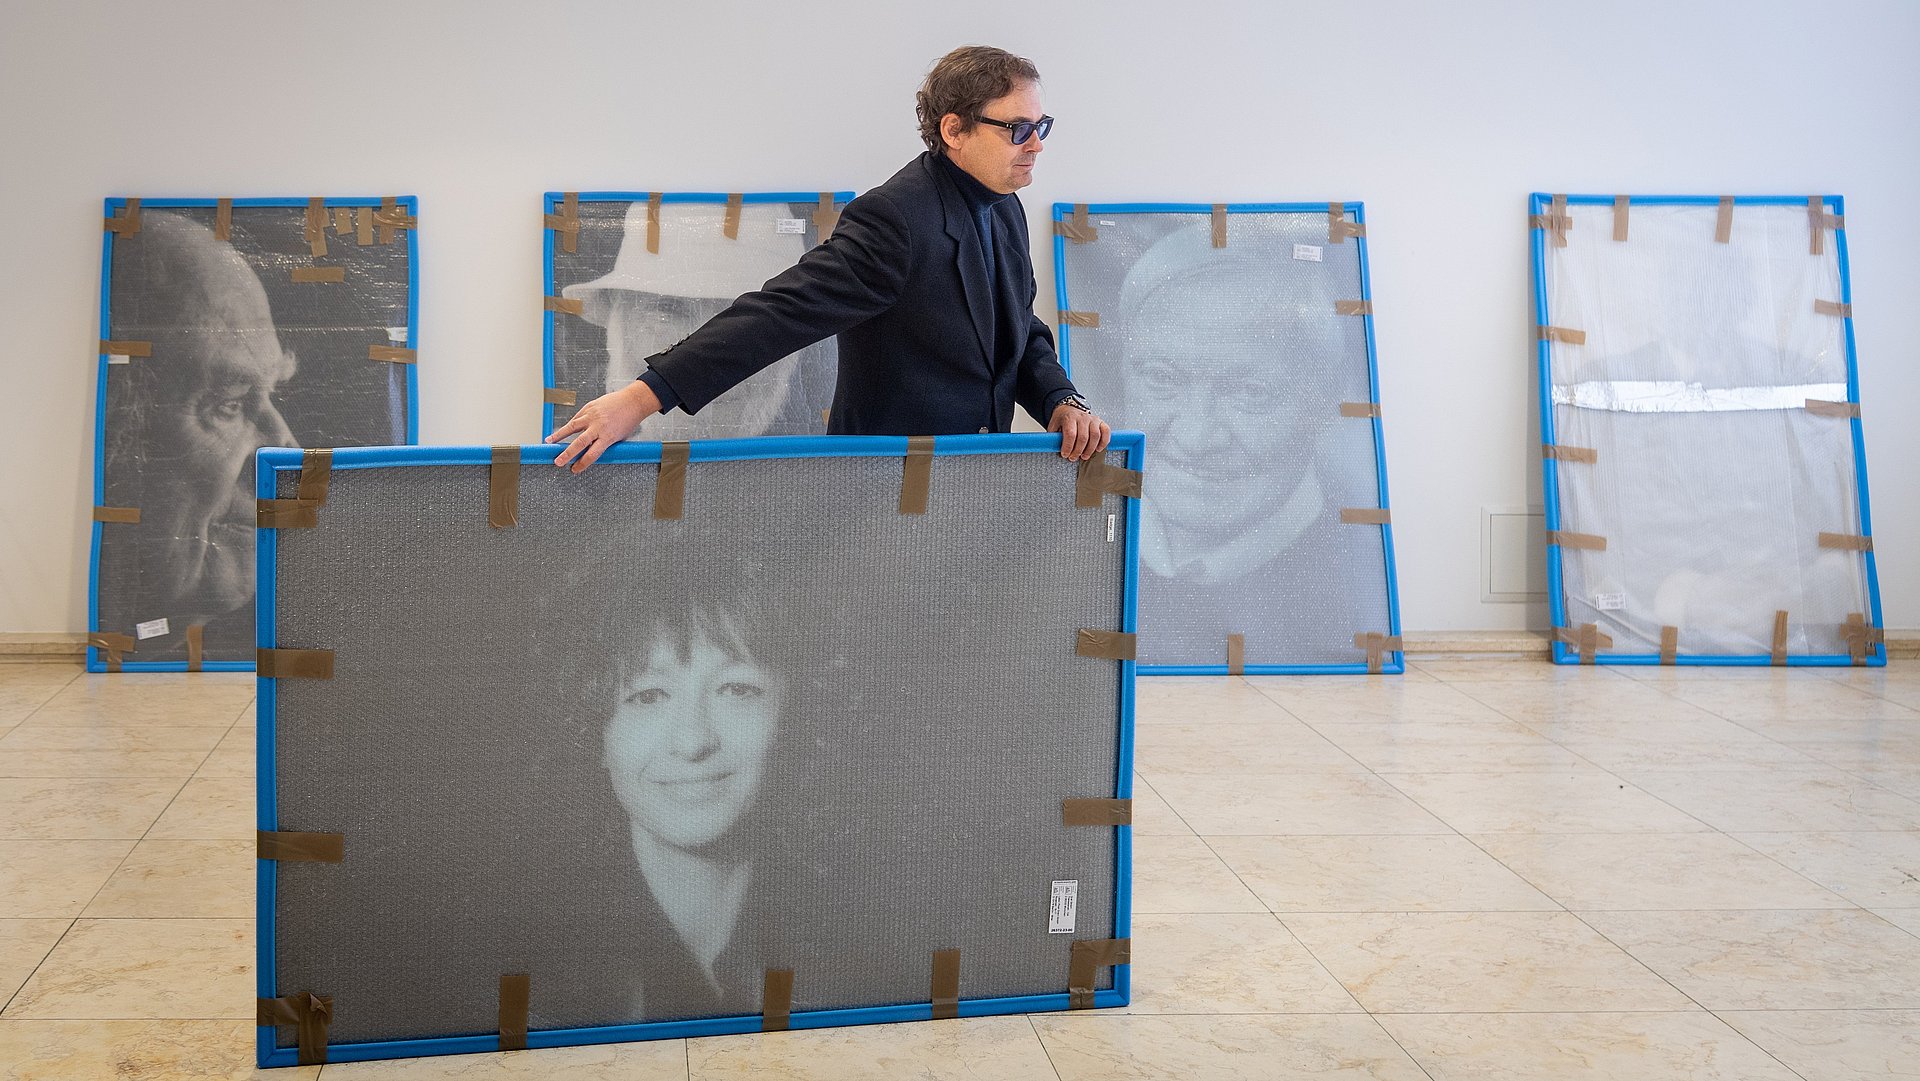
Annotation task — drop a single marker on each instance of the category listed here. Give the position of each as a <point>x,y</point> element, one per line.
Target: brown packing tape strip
<point>392,354</point>
<point>945,985</point>
<point>310,275</point>
<point>1366,515</point>
<point>1860,636</point>
<point>196,647</point>
<point>730,224</point>
<point>1219,225</point>
<point>127,221</point>
<point>223,219</point>
<point>1564,335</point>
<point>1359,409</point>
<point>309,1014</point>
<point>1779,656</point>
<point>1338,227</point>
<point>1833,307</point>
<point>825,216</point>
<point>503,488</point>
<point>1555,221</point>
<point>670,487</point>
<point>516,997</point>
<point>316,229</point>
<point>316,476</point>
<point>1832,409</point>
<point>363,226</point>
<point>1620,204</point>
<point>1236,654</point>
<point>1669,645</point>
<point>776,1000</point>
<point>1561,453</point>
<point>1818,222</point>
<point>300,847</point>
<point>1089,320</point>
<point>1093,480</point>
<point>113,645</point>
<point>1353,307</point>
<point>1588,639</point>
<point>564,305</point>
<point>1096,812</point>
<point>294,663</point>
<point>1377,646</point>
<point>654,201</point>
<point>916,477</point>
<point>285,514</point>
<point>1105,645</point>
<point>120,515</point>
<point>1076,227</point>
<point>115,347</point>
<point>1088,957</point>
<point>392,220</point>
<point>1723,224</point>
<point>567,222</point>
<point>1591,542</point>
<point>1846,542</point>
<point>342,220</point>
<point>556,396</point>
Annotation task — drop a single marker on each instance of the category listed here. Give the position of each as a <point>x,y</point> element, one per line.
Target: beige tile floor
<point>1481,869</point>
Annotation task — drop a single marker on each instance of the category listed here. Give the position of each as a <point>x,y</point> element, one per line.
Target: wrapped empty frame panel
<point>650,737</point>
<point>1239,339</point>
<point>630,273</point>
<point>1705,474</point>
<point>227,325</point>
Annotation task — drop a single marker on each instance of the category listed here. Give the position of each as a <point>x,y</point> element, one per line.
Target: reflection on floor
<point>1486,869</point>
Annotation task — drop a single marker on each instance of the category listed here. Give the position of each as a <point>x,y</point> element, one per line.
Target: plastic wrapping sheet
<point>1236,361</point>
<point>853,726</point>
<point>211,349</point>
<point>635,302</point>
<point>1711,481</point>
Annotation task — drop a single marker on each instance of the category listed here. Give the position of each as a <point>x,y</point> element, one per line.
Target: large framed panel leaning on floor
<point>1239,338</point>
<point>1705,472</point>
<point>630,273</point>
<point>715,737</point>
<point>227,325</point>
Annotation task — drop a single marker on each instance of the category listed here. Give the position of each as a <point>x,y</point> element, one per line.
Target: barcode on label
<point>1307,252</point>
<point>152,628</point>
<point>1609,602</point>
<point>795,226</point>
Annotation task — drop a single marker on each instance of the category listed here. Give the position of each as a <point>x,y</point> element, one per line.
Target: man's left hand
<point>1082,434</point>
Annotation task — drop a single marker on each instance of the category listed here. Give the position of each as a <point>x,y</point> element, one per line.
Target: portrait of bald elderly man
<point>239,356</point>
<point>636,299</point>
<point>1234,363</point>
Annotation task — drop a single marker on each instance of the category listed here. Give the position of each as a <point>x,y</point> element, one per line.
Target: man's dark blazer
<point>903,283</point>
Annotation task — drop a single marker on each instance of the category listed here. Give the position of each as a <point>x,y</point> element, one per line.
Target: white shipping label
<point>1060,911</point>
<point>1109,222</point>
<point>1307,252</point>
<point>152,628</point>
<point>1609,602</point>
<point>793,226</point>
<point>397,334</point>
<point>1112,520</point>
<point>119,358</point>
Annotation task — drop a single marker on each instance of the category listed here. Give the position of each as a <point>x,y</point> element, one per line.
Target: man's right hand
<point>602,422</point>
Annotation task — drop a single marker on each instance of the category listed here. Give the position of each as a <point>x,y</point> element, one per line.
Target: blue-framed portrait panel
<point>1705,470</point>
<point>713,737</point>
<point>1239,338</point>
<point>629,274</point>
<point>227,325</point>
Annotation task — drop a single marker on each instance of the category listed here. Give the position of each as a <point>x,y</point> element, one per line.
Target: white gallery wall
<point>1441,117</point>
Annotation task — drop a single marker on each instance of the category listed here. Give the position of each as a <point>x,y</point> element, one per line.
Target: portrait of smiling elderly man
<point>927,281</point>
<point>239,356</point>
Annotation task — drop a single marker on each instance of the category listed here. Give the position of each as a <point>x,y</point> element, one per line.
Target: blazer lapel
<point>971,265</point>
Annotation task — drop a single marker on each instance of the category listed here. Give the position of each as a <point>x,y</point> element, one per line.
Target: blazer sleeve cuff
<point>658,384</point>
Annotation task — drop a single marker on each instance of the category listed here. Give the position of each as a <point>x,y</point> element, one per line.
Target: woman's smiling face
<point>688,743</point>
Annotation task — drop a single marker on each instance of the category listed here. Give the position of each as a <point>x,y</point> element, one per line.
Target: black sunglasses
<point>1022,128</point>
